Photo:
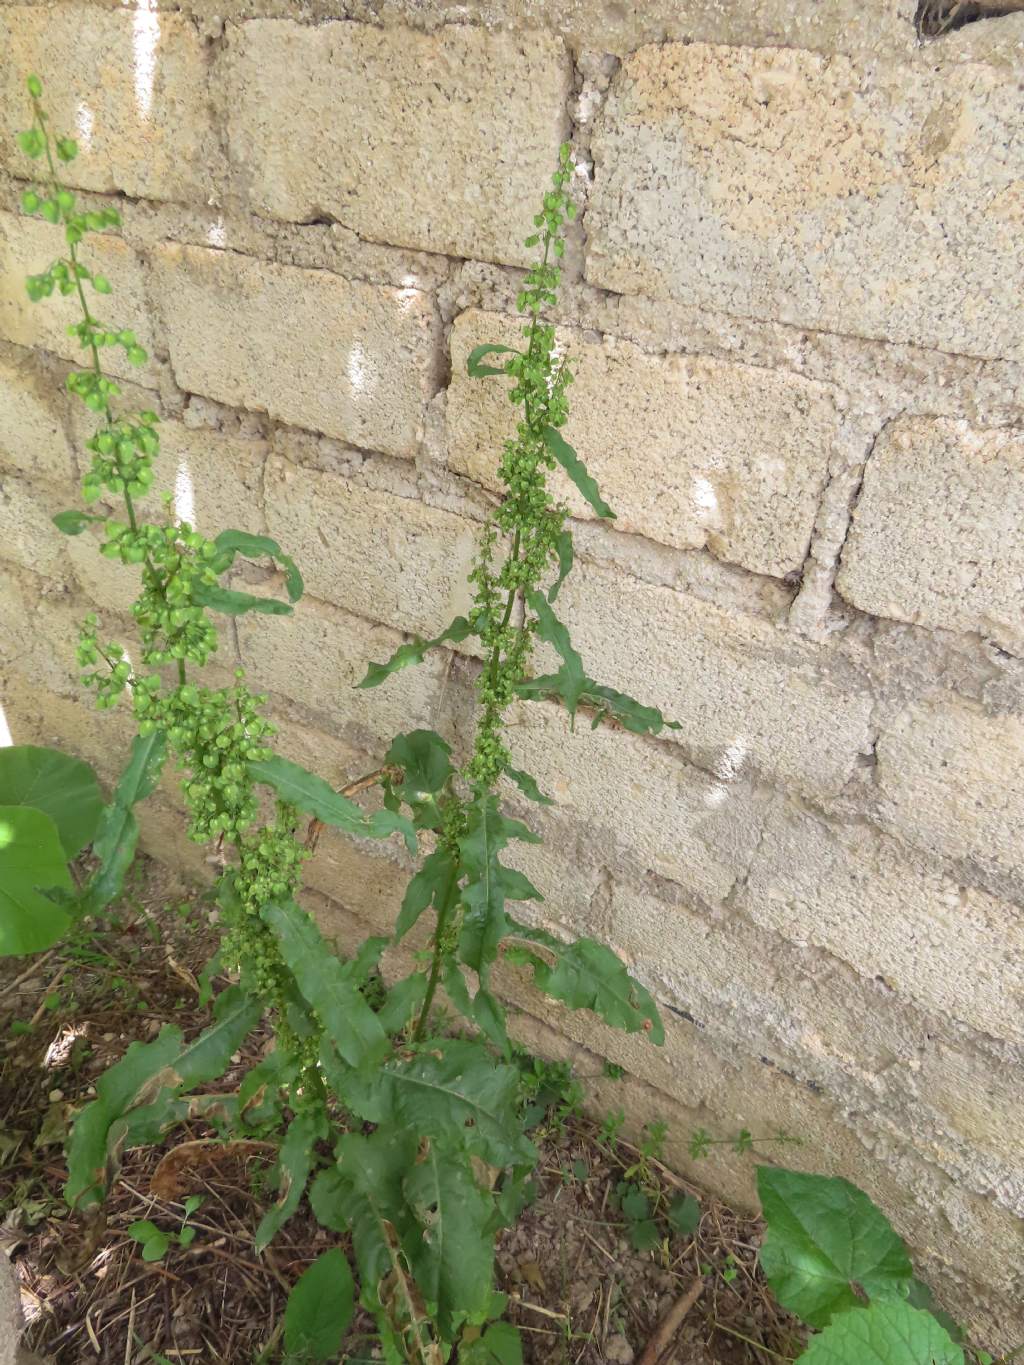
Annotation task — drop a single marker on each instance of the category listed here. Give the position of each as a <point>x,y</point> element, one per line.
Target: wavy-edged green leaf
<point>319,1308</point>
<point>363,1194</point>
<point>825,1236</point>
<point>31,856</point>
<point>528,786</point>
<point>488,883</point>
<point>477,370</point>
<point>631,714</point>
<point>564,550</point>
<point>587,975</point>
<point>452,1253</point>
<point>313,795</point>
<point>414,651</point>
<point>233,603</point>
<point>501,1344</point>
<point>294,1163</point>
<point>118,833</point>
<point>252,547</point>
<point>570,682</point>
<point>886,1333</point>
<point>436,882</point>
<point>138,1094</point>
<point>73,522</point>
<point>452,1091</point>
<point>402,1002</point>
<point>329,985</point>
<point>576,470</point>
<point>63,787</point>
<point>425,760</point>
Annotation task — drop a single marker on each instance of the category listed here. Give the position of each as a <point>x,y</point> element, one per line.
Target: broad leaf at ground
<point>118,831</point>
<point>425,760</point>
<point>294,1164</point>
<point>451,1091</point>
<point>31,856</point>
<point>587,975</point>
<point>824,1237</point>
<point>313,795</point>
<point>319,1308</point>
<point>886,1333</point>
<point>138,1096</point>
<point>363,1194</point>
<point>501,1344</point>
<point>414,651</point>
<point>62,786</point>
<point>329,985</point>
<point>452,1251</point>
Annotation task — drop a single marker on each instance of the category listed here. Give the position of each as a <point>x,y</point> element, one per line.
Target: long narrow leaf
<point>414,651</point>
<point>577,471</point>
<point>241,542</point>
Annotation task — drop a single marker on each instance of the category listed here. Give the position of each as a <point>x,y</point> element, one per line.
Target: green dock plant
<point>411,1140</point>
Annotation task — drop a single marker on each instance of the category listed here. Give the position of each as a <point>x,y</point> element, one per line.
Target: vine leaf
<point>452,1256</point>
<point>319,1308</point>
<point>413,652</point>
<point>886,1333</point>
<point>233,603</point>
<point>476,370</point>
<point>73,522</point>
<point>587,975</point>
<point>294,1165</point>
<point>313,795</point>
<point>824,1237</point>
<point>63,787</point>
<point>489,884</point>
<point>437,882</point>
<point>329,985</point>
<point>31,856</point>
<point>118,832</point>
<point>241,542</point>
<point>453,1093</point>
<point>138,1097</point>
<point>576,470</point>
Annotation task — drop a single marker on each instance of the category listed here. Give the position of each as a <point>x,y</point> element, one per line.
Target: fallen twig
<point>669,1324</point>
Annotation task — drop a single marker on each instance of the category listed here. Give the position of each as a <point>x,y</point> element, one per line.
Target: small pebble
<point>618,1350</point>
<point>56,1096</point>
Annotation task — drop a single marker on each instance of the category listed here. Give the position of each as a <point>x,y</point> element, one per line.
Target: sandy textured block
<point>352,360</point>
<point>870,26</point>
<point>952,782</point>
<point>385,557</point>
<point>773,183</point>
<point>636,806</point>
<point>27,533</point>
<point>749,696</point>
<point>128,84</point>
<point>39,634</point>
<point>217,485</point>
<point>32,435</point>
<point>316,657</point>
<point>847,889</point>
<point>936,536</point>
<point>442,141</point>
<point>688,451</point>
<point>27,247</point>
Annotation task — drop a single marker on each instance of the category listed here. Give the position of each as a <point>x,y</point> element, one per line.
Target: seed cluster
<point>529,516</point>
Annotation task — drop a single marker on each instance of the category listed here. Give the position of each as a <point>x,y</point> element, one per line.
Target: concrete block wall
<point>794,300</point>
